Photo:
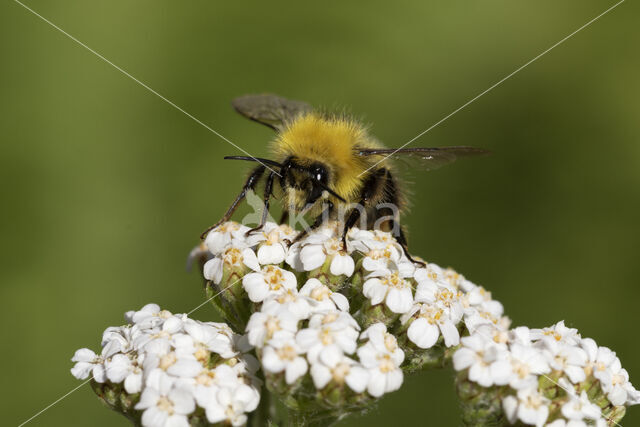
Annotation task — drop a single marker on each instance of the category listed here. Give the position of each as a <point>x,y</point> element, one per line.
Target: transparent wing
<point>270,110</point>
<point>424,158</point>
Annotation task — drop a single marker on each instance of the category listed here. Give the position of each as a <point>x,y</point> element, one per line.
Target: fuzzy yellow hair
<point>331,141</point>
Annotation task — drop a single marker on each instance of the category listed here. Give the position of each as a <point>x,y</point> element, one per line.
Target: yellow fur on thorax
<point>332,142</point>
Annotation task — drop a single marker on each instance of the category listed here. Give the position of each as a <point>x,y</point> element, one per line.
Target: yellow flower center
<point>167,360</point>
<point>325,336</point>
<point>286,297</point>
<point>395,281</point>
<point>272,325</point>
<point>274,278</point>
<point>206,377</point>
<point>432,314</point>
<point>233,256</point>
<point>287,353</point>
<point>161,334</point>
<point>533,401</point>
<point>485,293</point>
<point>522,370</point>
<point>377,254</point>
<point>500,337</point>
<point>320,293</point>
<point>553,334</point>
<point>386,364</point>
<point>229,412</point>
<point>452,277</point>
<point>228,227</point>
<point>340,372</point>
<point>164,314</point>
<point>272,237</point>
<point>165,404</point>
<point>588,370</point>
<point>381,237</point>
<point>431,274</point>
<point>286,229</point>
<point>446,297</point>
<point>201,354</point>
<point>488,316</point>
<point>617,379</point>
<point>390,342</point>
<point>332,246</point>
<point>329,318</point>
<point>561,360</point>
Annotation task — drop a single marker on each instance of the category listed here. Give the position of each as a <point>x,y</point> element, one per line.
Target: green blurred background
<point>105,187</point>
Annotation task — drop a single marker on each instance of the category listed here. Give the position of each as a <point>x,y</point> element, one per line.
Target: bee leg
<point>369,189</point>
<point>351,220</point>
<point>403,242</point>
<point>249,184</point>
<point>321,219</point>
<point>393,198</point>
<point>267,196</point>
<point>284,217</point>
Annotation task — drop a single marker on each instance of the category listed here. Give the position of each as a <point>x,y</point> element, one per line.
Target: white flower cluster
<point>325,346</point>
<point>525,362</point>
<point>306,329</point>
<point>229,246</point>
<point>334,328</point>
<point>303,321</point>
<point>444,302</point>
<point>178,365</point>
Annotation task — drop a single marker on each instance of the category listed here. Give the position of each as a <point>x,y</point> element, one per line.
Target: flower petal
<point>423,334</point>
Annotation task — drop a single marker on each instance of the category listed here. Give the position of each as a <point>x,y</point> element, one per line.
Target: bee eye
<point>319,173</point>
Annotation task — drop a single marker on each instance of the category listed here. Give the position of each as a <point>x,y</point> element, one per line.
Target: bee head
<point>310,180</point>
<point>306,181</point>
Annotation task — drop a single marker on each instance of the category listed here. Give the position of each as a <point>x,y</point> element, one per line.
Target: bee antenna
<point>330,191</point>
<point>254,159</point>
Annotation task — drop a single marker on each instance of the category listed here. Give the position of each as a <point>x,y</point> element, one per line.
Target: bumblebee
<point>329,167</point>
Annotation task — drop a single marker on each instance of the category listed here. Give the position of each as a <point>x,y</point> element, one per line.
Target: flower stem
<point>265,414</point>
